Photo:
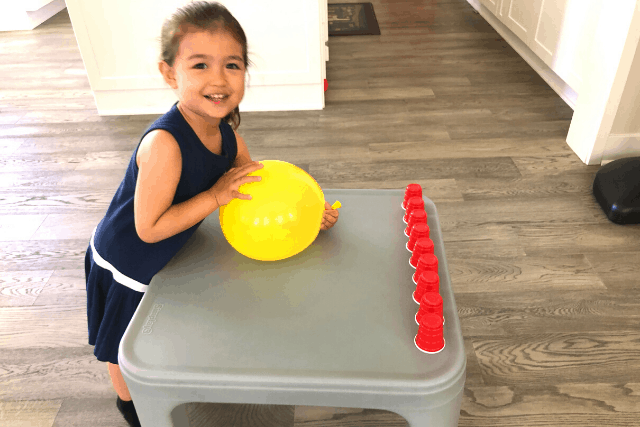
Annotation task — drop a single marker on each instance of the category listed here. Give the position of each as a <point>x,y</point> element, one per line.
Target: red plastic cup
<point>427,282</point>
<point>423,246</point>
<point>418,216</point>
<point>419,231</point>
<point>431,302</point>
<point>412,190</point>
<point>427,262</point>
<point>413,203</point>
<point>430,337</point>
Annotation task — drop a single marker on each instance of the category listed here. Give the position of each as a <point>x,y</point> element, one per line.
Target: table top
<point>338,314</point>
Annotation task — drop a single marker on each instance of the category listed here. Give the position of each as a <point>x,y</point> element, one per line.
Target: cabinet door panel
<point>521,16</point>
<point>549,29</point>
<point>564,35</point>
<point>492,5</point>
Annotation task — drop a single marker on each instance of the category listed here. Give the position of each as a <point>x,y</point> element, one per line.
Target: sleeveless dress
<point>118,265</point>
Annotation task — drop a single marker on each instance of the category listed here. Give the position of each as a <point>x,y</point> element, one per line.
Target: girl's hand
<point>226,188</point>
<point>329,217</point>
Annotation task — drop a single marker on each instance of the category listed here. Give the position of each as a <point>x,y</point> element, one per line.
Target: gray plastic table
<point>331,326</point>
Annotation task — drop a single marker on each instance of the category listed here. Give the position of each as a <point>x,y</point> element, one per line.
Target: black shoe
<point>128,411</point>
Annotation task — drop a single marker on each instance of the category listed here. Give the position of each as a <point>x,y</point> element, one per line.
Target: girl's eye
<point>233,66</point>
<point>200,66</point>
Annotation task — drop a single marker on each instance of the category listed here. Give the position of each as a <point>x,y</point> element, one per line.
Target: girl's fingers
<point>244,171</point>
<point>331,214</point>
<point>243,179</point>
<point>246,180</point>
<point>327,222</point>
<point>329,219</point>
<point>251,167</point>
<point>239,172</point>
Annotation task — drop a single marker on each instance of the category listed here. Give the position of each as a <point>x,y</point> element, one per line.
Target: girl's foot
<point>128,411</point>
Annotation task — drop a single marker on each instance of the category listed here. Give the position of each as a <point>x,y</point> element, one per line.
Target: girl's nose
<point>218,76</point>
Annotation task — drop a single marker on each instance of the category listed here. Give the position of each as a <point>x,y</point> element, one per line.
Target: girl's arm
<point>160,165</point>
<point>243,157</point>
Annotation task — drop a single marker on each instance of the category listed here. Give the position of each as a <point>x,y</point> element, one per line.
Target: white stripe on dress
<point>117,276</point>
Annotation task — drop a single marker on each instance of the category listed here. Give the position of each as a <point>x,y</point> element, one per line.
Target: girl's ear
<point>168,74</point>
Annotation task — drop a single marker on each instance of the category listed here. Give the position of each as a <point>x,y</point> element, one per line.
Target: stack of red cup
<point>413,203</point>
<point>423,246</point>
<point>419,231</point>
<point>431,302</point>
<point>417,216</point>
<point>427,262</point>
<point>430,337</point>
<point>427,282</point>
<point>412,190</point>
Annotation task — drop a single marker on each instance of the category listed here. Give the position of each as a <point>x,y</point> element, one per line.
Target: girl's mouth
<point>217,99</point>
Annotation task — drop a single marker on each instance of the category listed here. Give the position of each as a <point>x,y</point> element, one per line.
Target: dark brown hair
<point>198,16</point>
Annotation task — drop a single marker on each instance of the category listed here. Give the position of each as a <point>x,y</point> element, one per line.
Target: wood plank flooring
<point>547,289</point>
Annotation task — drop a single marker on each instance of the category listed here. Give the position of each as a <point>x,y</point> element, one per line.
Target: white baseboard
<point>556,83</point>
<point>257,98</point>
<point>620,147</point>
<point>27,16</point>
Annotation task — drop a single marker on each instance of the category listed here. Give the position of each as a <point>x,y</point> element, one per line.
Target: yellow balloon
<point>282,218</point>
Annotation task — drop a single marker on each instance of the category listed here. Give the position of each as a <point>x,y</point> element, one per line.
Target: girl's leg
<point>124,402</point>
<point>118,382</point>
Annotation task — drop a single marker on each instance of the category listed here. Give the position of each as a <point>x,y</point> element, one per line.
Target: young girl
<point>189,163</point>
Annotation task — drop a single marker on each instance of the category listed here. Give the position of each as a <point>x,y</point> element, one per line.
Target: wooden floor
<point>547,289</point>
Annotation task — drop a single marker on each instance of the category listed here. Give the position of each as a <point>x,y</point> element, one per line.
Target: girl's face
<point>208,73</point>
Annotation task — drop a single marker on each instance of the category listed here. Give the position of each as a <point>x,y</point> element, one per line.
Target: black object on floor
<point>616,187</point>
<point>128,411</point>
<point>352,19</point>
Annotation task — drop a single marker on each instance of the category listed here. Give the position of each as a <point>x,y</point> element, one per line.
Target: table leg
<point>427,416</point>
<point>154,412</point>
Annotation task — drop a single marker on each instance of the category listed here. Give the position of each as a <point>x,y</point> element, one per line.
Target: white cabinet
<point>521,17</point>
<point>585,47</point>
<point>119,43</point>
<point>549,29</point>
<point>558,32</point>
<point>564,36</point>
<point>492,5</point>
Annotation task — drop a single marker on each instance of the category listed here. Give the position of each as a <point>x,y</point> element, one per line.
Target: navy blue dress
<point>118,265</point>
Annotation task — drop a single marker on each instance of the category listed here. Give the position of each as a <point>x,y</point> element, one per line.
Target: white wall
<point>628,116</point>
<point>609,88</point>
<point>22,15</point>
<point>624,139</point>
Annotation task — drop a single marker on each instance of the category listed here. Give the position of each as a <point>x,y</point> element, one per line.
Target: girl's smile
<point>217,98</point>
